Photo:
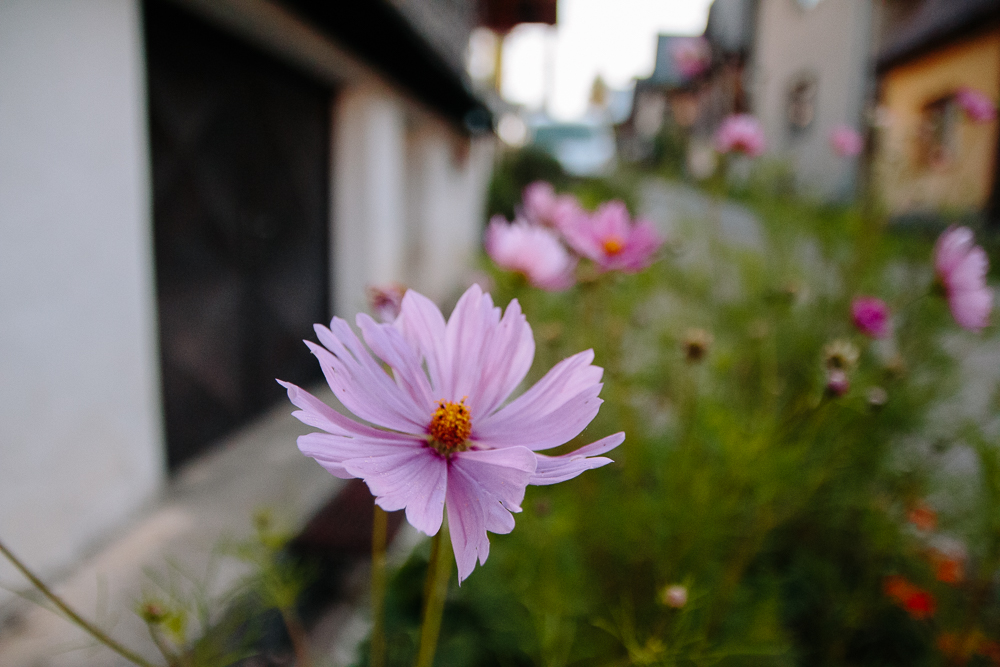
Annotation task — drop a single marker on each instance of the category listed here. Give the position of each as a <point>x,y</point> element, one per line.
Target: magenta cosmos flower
<point>740,133</point>
<point>692,55</point>
<point>436,433</point>
<point>385,300</point>
<point>533,251</point>
<point>961,268</point>
<point>542,206</point>
<point>871,316</point>
<point>977,106</point>
<point>612,240</point>
<point>846,141</point>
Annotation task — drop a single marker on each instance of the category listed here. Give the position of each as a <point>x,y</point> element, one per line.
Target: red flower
<point>917,602</point>
<point>949,570</point>
<point>923,517</point>
<point>920,604</point>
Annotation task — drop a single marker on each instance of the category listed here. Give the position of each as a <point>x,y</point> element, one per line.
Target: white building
<point>808,67</point>
<point>812,69</point>
<point>185,186</point>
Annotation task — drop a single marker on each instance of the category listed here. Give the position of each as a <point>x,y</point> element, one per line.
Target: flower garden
<point>797,485</point>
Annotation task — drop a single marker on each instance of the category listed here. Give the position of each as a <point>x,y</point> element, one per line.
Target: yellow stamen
<point>613,245</point>
<point>451,425</point>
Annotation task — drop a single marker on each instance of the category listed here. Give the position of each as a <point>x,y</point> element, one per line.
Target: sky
<point>613,38</point>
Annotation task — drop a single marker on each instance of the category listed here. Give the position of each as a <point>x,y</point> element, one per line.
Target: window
<point>801,106</point>
<point>937,134</point>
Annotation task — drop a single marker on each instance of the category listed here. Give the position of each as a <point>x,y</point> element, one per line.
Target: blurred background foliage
<point>806,528</point>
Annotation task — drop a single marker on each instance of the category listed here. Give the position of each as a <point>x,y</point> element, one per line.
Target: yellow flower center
<point>613,245</point>
<point>451,425</point>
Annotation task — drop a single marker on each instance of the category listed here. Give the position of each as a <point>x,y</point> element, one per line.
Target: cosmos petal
<point>484,487</point>
<point>467,338</point>
<point>506,360</point>
<point>371,394</point>
<point>555,469</point>
<point>424,327</point>
<point>415,479</point>
<point>388,344</point>
<point>318,414</point>
<point>331,451</point>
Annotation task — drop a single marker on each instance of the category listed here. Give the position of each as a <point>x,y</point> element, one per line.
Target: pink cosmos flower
<point>871,316</point>
<point>978,107</point>
<point>612,241</point>
<point>542,206</point>
<point>437,433</point>
<point>532,251</point>
<point>385,300</point>
<point>846,141</point>
<point>740,133</point>
<point>692,55</point>
<point>961,269</point>
<point>837,382</point>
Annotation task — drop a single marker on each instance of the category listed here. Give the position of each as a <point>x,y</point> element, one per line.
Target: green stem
<point>380,527</point>
<point>435,591</point>
<point>297,634</point>
<point>173,660</point>
<point>85,625</point>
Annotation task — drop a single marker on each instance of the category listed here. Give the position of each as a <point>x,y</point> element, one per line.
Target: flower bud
<point>696,344</point>
<point>837,383</point>
<point>840,355</point>
<point>675,596</point>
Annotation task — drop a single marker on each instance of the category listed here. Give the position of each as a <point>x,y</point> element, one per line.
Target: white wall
<point>80,448</point>
<point>408,198</point>
<point>368,207</point>
<point>833,42</point>
<point>446,192</point>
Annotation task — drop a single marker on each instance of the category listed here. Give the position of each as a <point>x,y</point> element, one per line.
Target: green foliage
<point>192,628</point>
<point>517,168</point>
<point>780,507</point>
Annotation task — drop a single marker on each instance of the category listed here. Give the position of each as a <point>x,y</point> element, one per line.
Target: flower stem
<point>85,625</point>
<point>435,591</point>
<point>380,526</point>
<point>297,634</point>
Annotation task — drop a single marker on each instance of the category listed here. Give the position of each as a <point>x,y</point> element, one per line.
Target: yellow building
<point>934,157</point>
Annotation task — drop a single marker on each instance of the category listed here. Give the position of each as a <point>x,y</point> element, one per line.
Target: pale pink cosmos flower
<point>385,300</point>
<point>436,433</point>
<point>533,251</point>
<point>837,382</point>
<point>610,238</point>
<point>542,206</point>
<point>740,133</point>
<point>871,316</point>
<point>692,55</point>
<point>978,107</point>
<point>846,141</point>
<point>961,268</point>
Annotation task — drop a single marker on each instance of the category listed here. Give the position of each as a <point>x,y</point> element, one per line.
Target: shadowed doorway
<point>240,166</point>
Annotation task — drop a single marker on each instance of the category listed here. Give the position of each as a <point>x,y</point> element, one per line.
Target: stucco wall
<point>831,42</point>
<point>446,191</point>
<point>79,402</point>
<point>408,198</point>
<point>964,182</point>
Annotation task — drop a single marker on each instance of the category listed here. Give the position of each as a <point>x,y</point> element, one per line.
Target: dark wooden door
<point>240,160</point>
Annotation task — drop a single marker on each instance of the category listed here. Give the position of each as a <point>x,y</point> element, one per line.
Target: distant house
<point>658,100</point>
<point>803,67</point>
<point>810,71</point>
<point>186,186</point>
<point>934,158</point>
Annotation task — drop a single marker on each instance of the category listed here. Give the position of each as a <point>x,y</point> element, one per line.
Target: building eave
<point>937,25</point>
